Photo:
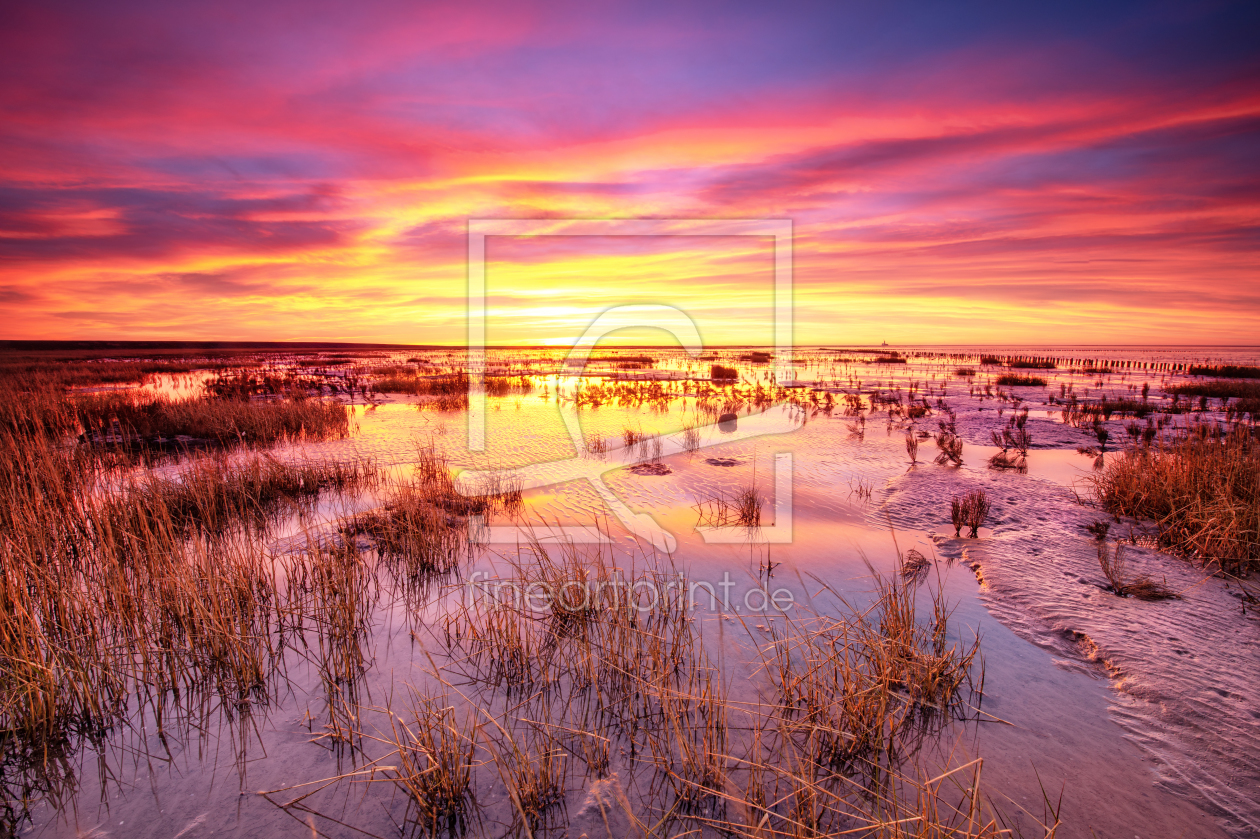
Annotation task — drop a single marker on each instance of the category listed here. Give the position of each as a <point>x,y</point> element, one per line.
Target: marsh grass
<point>62,370</point>
<point>215,493</point>
<point>1202,491</point>
<point>1014,441</point>
<point>858,690</point>
<point>451,384</point>
<point>534,770</point>
<point>421,530</point>
<point>1225,371</point>
<point>242,384</point>
<point>435,757</point>
<point>339,592</point>
<point>449,391</point>
<point>1011,380</point>
<point>1089,414</point>
<point>1218,389</point>
<point>115,619</point>
<point>132,420</point>
<point>132,599</point>
<point>691,435</point>
<point>625,685</point>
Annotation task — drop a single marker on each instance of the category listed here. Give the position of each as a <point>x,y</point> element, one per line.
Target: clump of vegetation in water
<point>1202,491</point>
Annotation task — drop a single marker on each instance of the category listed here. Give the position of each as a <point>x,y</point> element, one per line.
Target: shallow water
<point>1143,716</point>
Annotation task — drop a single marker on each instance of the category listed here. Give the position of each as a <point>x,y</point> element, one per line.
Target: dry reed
<point>1202,491</point>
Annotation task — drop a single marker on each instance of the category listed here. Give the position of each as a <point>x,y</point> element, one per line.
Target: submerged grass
<point>1121,583</point>
<point>740,508</point>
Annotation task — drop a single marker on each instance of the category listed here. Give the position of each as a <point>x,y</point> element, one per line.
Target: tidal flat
<point>911,591</point>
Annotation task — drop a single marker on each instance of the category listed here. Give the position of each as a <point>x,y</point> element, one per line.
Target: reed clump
<point>535,771</point>
<point>912,446</point>
<point>1011,380</point>
<point>690,438</point>
<point>133,420</point>
<point>739,508</point>
<point>971,510</point>
<point>597,445</point>
<point>215,493</point>
<point>1202,491</point>
<point>1013,441</point>
<point>435,761</point>
<point>948,441</point>
<point>508,385</point>
<point>422,526</point>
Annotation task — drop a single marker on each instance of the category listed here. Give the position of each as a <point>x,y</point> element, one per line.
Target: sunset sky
<point>955,173</point>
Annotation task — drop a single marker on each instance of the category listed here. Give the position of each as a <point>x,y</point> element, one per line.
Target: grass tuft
<point>971,510</point>
<point>1114,568</point>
